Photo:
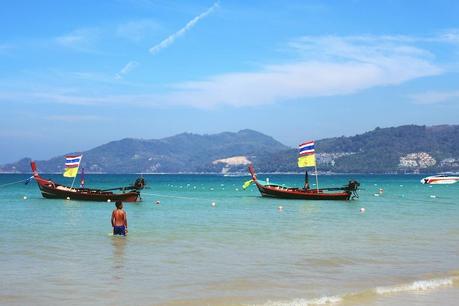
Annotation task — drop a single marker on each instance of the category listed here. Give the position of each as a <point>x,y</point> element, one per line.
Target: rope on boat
<point>17,182</point>
<point>176,197</point>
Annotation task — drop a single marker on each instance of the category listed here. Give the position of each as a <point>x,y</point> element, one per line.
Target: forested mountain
<point>409,148</point>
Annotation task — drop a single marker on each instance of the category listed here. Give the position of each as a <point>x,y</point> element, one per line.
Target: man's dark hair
<point>119,204</point>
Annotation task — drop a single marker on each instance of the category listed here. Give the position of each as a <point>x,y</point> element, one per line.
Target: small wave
<point>422,285</point>
<point>325,300</point>
<point>416,286</point>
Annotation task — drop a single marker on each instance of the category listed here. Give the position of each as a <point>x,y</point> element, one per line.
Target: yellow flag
<point>247,184</point>
<point>307,161</point>
<point>71,172</point>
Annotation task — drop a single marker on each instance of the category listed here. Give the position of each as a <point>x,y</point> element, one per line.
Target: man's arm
<point>113,218</point>
<point>125,219</point>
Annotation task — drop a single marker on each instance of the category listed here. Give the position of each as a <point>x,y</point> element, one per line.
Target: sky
<point>78,74</point>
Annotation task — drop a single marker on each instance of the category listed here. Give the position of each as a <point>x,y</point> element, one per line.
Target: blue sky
<point>76,74</point>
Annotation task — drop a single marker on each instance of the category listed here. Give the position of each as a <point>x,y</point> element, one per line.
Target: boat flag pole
<point>73,182</point>
<point>317,180</point>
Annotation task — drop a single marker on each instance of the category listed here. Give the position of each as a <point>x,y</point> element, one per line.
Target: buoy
<point>211,189</point>
<point>376,194</point>
<point>25,198</point>
<point>381,191</point>
<point>237,189</point>
<point>280,208</point>
<point>108,200</point>
<point>213,204</point>
<point>267,180</point>
<point>433,196</point>
<point>401,185</point>
<point>362,210</point>
<point>68,198</point>
<point>158,202</point>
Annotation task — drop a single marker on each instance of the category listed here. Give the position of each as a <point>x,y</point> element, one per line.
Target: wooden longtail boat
<point>277,191</point>
<point>51,190</point>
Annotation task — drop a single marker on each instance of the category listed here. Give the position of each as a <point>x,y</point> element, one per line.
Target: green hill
<point>402,149</point>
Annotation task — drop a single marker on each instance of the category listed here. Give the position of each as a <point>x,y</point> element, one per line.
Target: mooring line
<point>17,182</point>
<point>176,197</point>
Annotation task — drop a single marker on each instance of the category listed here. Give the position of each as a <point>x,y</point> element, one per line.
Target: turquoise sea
<point>403,250</point>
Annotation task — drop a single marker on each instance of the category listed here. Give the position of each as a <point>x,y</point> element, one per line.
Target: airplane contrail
<point>169,40</point>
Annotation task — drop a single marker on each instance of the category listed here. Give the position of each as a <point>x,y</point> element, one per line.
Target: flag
<point>307,156</point>
<point>247,184</point>
<point>71,165</point>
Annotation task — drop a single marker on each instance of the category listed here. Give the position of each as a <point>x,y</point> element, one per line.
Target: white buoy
<point>108,200</point>
<point>280,208</point>
<point>362,210</point>
<point>267,180</point>
<point>211,189</point>
<point>68,198</point>
<point>158,202</point>
<point>401,185</point>
<point>433,196</point>
<point>381,191</point>
<point>213,204</point>
<point>25,198</point>
<point>376,194</point>
<point>237,189</point>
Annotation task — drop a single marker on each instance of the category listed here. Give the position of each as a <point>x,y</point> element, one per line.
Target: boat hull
<point>440,180</point>
<point>276,191</point>
<point>301,194</point>
<point>89,195</point>
<point>51,190</point>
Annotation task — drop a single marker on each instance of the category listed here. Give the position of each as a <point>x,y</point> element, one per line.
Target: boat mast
<point>73,182</point>
<point>317,180</point>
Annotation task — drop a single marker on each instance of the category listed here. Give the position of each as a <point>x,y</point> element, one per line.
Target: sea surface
<point>245,250</point>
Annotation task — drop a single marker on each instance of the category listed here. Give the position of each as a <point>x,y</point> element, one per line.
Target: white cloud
<point>81,39</point>
<point>170,40</point>
<point>75,118</point>
<point>325,66</point>
<point>126,69</point>
<point>4,48</point>
<point>432,97</point>
<point>329,65</point>
<point>137,30</point>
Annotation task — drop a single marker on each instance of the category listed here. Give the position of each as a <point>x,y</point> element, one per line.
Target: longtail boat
<point>346,192</point>
<point>52,190</point>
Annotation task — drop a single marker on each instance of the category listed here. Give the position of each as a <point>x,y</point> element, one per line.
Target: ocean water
<point>403,250</point>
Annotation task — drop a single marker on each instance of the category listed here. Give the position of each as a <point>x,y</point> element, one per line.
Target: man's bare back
<point>119,220</point>
<point>119,217</point>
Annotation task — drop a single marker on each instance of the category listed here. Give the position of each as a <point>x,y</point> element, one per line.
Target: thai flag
<point>306,148</point>
<point>72,161</point>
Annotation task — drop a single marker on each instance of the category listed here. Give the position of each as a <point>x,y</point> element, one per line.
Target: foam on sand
<point>367,295</point>
<point>421,285</point>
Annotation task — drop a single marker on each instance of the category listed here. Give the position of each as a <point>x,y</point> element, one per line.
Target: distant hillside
<point>181,153</point>
<point>404,149</point>
<point>400,149</point>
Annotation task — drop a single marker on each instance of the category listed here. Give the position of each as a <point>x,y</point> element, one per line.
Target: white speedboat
<point>441,179</point>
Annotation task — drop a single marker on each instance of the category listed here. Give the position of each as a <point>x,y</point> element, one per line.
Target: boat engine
<point>353,187</point>
<point>139,183</point>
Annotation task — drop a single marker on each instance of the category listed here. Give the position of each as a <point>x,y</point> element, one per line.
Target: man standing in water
<point>119,220</point>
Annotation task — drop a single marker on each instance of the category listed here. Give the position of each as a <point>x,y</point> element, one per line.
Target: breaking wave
<point>416,286</point>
